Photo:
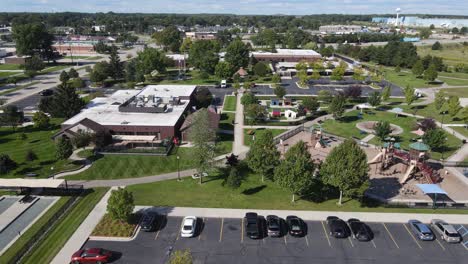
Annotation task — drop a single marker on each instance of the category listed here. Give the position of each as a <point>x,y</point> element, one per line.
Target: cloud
<point>296,7</point>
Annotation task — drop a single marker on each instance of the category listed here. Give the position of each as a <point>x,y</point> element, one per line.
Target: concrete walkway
<point>81,234</point>
<point>238,148</point>
<point>74,156</point>
<point>368,138</point>
<point>308,215</point>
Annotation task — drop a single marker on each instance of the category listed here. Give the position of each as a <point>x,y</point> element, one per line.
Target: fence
<point>288,134</point>
<point>149,151</point>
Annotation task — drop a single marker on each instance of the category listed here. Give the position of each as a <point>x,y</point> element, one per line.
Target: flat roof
<point>31,183</point>
<point>288,52</point>
<point>105,110</point>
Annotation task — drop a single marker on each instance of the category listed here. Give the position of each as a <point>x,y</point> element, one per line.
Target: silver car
<point>422,231</point>
<point>446,231</point>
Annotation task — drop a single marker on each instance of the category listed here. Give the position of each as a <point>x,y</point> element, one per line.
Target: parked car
<point>91,255</point>
<point>252,226</point>
<point>46,92</point>
<point>446,231</point>
<point>422,231</point>
<point>296,226</point>
<point>148,222</point>
<point>359,230</point>
<point>189,225</point>
<point>273,225</point>
<point>223,84</point>
<point>337,227</point>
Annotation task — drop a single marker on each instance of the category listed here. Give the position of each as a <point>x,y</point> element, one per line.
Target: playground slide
<point>408,173</point>
<point>376,159</point>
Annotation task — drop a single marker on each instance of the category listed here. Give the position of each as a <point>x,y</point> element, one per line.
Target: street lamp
<point>178,171</point>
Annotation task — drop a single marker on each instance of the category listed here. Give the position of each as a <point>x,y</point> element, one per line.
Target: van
<point>223,84</point>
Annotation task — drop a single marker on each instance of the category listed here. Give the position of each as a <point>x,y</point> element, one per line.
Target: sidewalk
<point>307,215</point>
<point>81,235</point>
<point>238,147</point>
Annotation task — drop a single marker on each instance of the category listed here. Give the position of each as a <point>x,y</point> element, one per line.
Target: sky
<point>261,7</point>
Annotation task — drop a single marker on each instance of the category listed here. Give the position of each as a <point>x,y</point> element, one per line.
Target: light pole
<point>178,171</point>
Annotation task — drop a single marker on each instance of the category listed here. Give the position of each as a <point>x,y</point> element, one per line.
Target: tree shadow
<point>254,190</point>
<point>349,119</point>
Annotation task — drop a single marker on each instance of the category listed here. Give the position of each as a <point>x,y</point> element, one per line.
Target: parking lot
<point>222,240</point>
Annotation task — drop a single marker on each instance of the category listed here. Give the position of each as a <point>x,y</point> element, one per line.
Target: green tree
<point>237,54</point>
<point>425,33</point>
<point>303,78</point>
<point>73,73</point>
<point>435,138</point>
<point>11,116</point>
<point>148,61</point>
<point>248,99</point>
<point>63,148</point>
<point>386,93</point>
<point>41,120</point>
<point>203,55</point>
<point>234,179</point>
<point>311,104</point>
<point>116,70</point>
<point>408,91</point>
<point>346,169</point>
<point>101,47</point>
<point>6,164</point>
<point>464,116</point>
<point>170,38</point>
<point>453,105</point>
<point>455,30</point>
<point>296,171</point>
<point>358,74</point>
<point>263,155</point>
<point>33,38</point>
<point>280,91</point>
<point>276,79</point>
<point>203,136</point>
<point>337,106</point>
<point>374,99</point>
<point>64,103</point>
<point>30,74</point>
<point>254,113</point>
<point>100,72</point>
<point>13,79</point>
<point>186,44</point>
<point>315,75</point>
<point>397,69</point>
<point>338,73</point>
<point>34,63</point>
<point>78,83</point>
<point>181,257</point>
<point>224,70</point>
<point>418,68</point>
<point>64,77</point>
<point>382,129</point>
<point>324,96</point>
<point>81,139</point>
<point>436,46</point>
<point>120,204</point>
<point>439,100</point>
<point>260,69</point>
<point>431,73</point>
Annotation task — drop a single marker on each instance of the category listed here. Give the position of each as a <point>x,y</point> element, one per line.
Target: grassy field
<point>252,194</point>
<point>40,142</point>
<point>452,54</point>
<point>32,231</point>
<point>10,67</point>
<point>54,68</point>
<point>114,228</point>
<point>461,130</point>
<point>460,75</point>
<point>229,103</point>
<point>7,74</point>
<point>64,229</point>
<point>460,92</point>
<point>453,82</point>
<point>430,111</point>
<point>226,121</point>
<point>403,79</point>
<point>248,138</point>
<point>18,87</point>
<point>347,128</point>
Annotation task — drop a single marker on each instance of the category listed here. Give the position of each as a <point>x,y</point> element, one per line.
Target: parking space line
<point>307,240</point>
<point>203,223</point>
<point>326,234</point>
<point>180,228</point>
<point>440,244</point>
<point>221,231</point>
<point>373,243</point>
<point>157,235</point>
<point>350,241</point>
<point>409,232</point>
<point>285,242</point>
<point>391,236</point>
<point>242,231</point>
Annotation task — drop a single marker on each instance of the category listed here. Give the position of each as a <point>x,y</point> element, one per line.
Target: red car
<point>91,255</point>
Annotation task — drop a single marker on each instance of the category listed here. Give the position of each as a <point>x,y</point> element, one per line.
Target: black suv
<point>337,227</point>
<point>252,229</point>
<point>46,92</point>
<point>148,222</point>
<point>273,225</point>
<point>296,226</point>
<point>359,230</point>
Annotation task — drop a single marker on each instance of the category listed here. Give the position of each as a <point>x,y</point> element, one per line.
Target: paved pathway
<point>238,147</point>
<point>74,156</point>
<point>307,215</point>
<point>368,138</point>
<point>79,238</point>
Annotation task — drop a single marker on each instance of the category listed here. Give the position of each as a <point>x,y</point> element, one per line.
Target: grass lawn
<point>229,103</point>
<point>252,194</point>
<point>114,228</point>
<point>86,153</point>
<point>191,77</point>
<point>132,166</point>
<point>10,67</point>
<point>40,142</point>
<point>248,138</point>
<point>454,82</point>
<point>18,87</point>
<point>403,79</point>
<point>430,111</point>
<point>32,231</point>
<point>95,58</point>
<point>460,92</point>
<point>461,130</point>
<point>55,68</point>
<point>76,57</point>
<point>226,121</point>
<point>64,229</point>
<point>460,75</point>
<point>7,74</point>
<point>224,144</point>
<point>346,127</point>
<point>450,53</point>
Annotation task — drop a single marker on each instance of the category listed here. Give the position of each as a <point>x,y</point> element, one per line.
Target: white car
<point>446,231</point>
<point>223,84</point>
<point>189,225</point>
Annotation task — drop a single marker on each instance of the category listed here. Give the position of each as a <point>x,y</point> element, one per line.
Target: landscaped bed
<point>109,227</point>
<point>229,103</point>
<point>250,133</point>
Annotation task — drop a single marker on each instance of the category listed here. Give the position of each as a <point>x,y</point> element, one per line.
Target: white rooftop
<point>289,52</point>
<point>105,110</point>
